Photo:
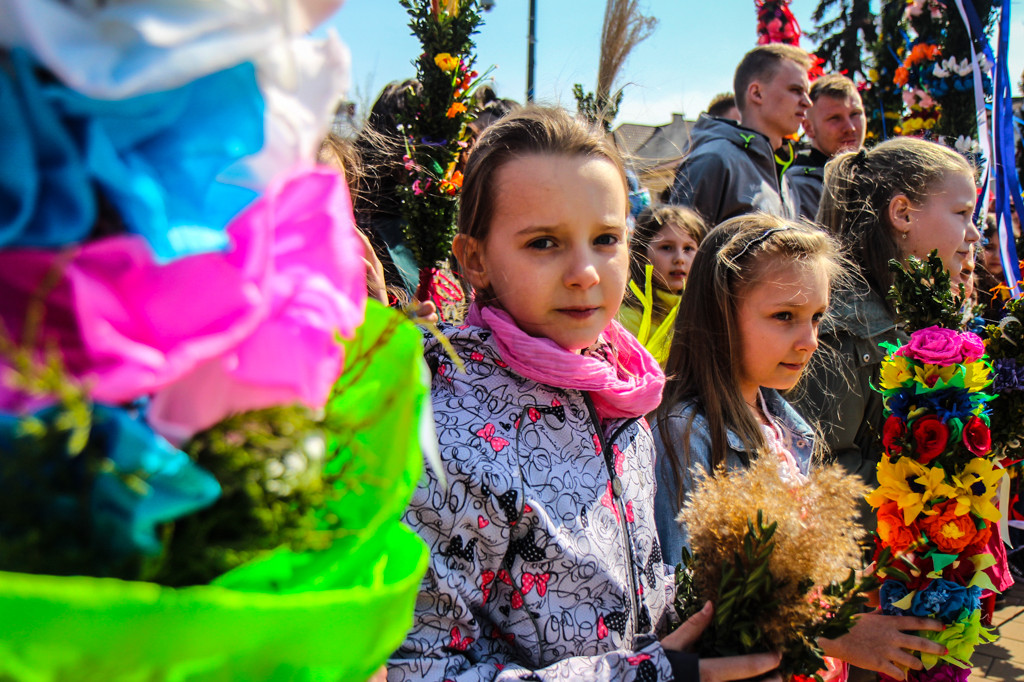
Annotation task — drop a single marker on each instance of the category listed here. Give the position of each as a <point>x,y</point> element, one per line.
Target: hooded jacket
<point>730,171</point>
<point>544,558</point>
<point>806,178</point>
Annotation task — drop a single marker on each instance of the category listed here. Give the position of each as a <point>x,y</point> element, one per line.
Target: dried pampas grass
<point>810,554</point>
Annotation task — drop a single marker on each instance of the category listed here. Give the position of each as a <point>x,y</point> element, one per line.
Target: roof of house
<point>645,146</point>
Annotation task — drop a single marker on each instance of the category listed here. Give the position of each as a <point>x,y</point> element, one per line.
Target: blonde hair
<point>703,365</point>
<point>859,186</point>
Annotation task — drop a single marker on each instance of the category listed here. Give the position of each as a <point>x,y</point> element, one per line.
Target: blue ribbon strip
<point>1007,185</point>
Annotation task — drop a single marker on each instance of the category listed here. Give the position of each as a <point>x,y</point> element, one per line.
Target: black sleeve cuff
<point>685,667</point>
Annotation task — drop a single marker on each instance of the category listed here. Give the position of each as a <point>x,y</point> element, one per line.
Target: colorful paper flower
<point>455,109</point>
<point>896,371</point>
<point>976,486</point>
<point>949,531</point>
<point>930,436</point>
<point>943,347</point>
<point>945,600</point>
<point>889,593</point>
<point>910,485</point>
<point>893,433</point>
<point>118,317</point>
<point>960,640</point>
<point>446,62</point>
<point>977,437</point>
<point>315,289</point>
<point>156,158</point>
<point>893,531</point>
<point>125,517</point>
<point>928,375</point>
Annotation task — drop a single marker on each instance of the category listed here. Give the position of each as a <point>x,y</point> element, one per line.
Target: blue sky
<point>689,58</point>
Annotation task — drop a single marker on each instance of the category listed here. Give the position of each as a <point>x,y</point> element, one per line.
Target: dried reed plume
<point>816,542</point>
<point>624,28</point>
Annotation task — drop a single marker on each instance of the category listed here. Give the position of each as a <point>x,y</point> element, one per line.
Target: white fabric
<point>117,49</point>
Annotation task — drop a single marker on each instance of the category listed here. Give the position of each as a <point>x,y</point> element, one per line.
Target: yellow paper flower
<point>895,371</point>
<point>960,640</point>
<point>977,375</point>
<point>910,485</point>
<point>446,62</point>
<point>929,375</point>
<point>975,488</point>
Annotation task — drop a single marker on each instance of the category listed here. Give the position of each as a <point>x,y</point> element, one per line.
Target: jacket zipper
<point>617,496</point>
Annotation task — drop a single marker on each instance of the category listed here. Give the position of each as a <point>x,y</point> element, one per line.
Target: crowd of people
<point>741,315</point>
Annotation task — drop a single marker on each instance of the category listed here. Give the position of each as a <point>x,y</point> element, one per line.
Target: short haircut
<point>762,63</point>
<point>721,104</point>
<point>834,85</point>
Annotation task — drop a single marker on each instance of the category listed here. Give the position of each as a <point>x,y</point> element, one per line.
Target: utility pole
<point>531,42</point>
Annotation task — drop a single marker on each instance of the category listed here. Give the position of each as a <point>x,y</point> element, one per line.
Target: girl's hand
<point>425,311</point>
<point>727,667</point>
<point>878,642</point>
<point>380,676</point>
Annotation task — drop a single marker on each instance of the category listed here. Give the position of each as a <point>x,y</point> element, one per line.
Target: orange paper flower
<point>456,109</point>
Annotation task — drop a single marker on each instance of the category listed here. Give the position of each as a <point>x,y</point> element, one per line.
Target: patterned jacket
<point>545,562</point>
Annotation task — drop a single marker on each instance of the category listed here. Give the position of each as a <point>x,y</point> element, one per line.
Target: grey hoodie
<point>729,172</point>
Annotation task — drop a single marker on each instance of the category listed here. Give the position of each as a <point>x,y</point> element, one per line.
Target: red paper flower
<point>930,438</point>
<point>977,437</point>
<point>893,432</point>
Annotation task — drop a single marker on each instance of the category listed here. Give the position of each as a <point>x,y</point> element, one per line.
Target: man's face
<point>784,99</point>
<point>835,124</point>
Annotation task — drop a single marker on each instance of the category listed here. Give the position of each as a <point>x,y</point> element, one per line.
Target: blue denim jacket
<point>799,439</point>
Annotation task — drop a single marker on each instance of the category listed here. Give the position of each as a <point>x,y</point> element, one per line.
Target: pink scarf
<point>629,387</point>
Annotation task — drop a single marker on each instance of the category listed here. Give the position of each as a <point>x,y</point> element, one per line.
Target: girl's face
<point>671,252</point>
<point>777,320</point>
<point>556,257</point>
<point>944,221</point>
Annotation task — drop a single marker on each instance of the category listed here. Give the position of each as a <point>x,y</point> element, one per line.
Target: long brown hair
<point>859,186</point>
<point>704,363</point>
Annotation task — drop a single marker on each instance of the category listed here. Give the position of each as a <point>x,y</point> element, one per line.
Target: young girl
<point>661,250</point>
<point>903,198</point>
<point>747,328</point>
<point>545,562</point>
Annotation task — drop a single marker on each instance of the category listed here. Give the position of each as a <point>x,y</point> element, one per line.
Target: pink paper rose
<point>209,334</point>
<point>972,345</point>
<point>942,347</point>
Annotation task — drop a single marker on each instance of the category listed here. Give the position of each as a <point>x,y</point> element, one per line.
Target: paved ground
<point>1003,660</point>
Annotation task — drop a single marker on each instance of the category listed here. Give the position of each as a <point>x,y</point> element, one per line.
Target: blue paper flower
<point>145,481</point>
<point>891,591</point>
<point>900,402</point>
<point>952,403</point>
<point>945,600</point>
<point>154,158</point>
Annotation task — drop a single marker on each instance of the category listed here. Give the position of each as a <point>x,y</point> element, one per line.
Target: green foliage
<point>596,109</point>
<point>433,124</point>
<point>882,100</point>
<point>745,599</point>
<point>842,37</point>
<point>922,294</point>
<point>270,467</point>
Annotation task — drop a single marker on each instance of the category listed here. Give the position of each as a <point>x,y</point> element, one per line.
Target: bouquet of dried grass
<point>777,559</point>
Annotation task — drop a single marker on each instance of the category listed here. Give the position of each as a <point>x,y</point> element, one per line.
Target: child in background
<point>661,250</point>
<point>747,328</point>
<point>545,563</point>
<point>905,197</point>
